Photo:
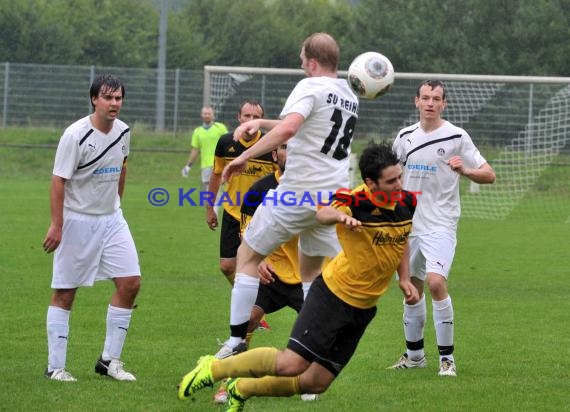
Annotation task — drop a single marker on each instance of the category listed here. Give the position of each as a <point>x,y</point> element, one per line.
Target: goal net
<point>520,124</point>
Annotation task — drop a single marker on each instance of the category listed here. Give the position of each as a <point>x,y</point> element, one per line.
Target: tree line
<point>510,37</point>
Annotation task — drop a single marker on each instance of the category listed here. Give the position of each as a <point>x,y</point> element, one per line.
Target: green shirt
<point>205,141</point>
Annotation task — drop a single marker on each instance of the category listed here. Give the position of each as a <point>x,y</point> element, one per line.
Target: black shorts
<point>277,295</point>
<point>229,236</point>
<point>327,330</point>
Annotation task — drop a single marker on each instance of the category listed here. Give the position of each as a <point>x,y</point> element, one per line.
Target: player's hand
<point>411,294</point>
<point>211,218</point>
<point>52,239</point>
<point>250,127</point>
<point>185,170</point>
<point>456,164</point>
<point>350,223</point>
<point>235,167</point>
<point>265,273</point>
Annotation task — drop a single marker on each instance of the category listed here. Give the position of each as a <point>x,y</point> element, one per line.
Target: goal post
<point>521,124</point>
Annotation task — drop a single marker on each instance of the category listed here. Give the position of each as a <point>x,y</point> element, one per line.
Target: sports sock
<point>443,322</point>
<point>57,324</point>
<point>243,298</point>
<point>118,320</point>
<point>414,322</point>
<point>268,386</point>
<point>252,363</point>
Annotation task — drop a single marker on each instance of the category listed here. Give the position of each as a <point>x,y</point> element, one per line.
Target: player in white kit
<point>317,123</point>
<point>88,233</point>
<point>434,154</point>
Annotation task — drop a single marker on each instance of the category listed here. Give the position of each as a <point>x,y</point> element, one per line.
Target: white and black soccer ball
<point>370,75</point>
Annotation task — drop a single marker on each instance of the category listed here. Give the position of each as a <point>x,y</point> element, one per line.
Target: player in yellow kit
<point>341,302</point>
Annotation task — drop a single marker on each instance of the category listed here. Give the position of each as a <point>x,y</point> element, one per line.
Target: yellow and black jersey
<point>362,271</point>
<point>227,150</point>
<point>284,259</point>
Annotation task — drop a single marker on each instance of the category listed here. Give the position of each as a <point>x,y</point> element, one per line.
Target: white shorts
<point>93,248</point>
<point>431,252</point>
<point>274,224</point>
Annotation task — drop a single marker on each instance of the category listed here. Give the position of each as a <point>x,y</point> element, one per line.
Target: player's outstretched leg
<point>198,378</point>
<point>236,401</point>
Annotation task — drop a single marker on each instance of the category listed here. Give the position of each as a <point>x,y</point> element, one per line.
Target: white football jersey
<point>424,158</point>
<point>92,161</point>
<point>318,155</point>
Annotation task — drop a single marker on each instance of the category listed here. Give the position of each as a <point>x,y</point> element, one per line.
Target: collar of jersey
<point>252,141</point>
<point>388,205</point>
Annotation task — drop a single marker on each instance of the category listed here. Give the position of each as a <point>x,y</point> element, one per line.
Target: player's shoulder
<point>265,183</point>
<point>79,129</point>
<point>226,139</point>
<point>452,128</point>
<point>407,130</point>
<point>410,201</point>
<point>220,126</point>
<point>121,126</point>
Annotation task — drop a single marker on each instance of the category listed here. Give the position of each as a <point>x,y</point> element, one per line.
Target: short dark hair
<point>253,103</point>
<point>433,84</point>
<point>109,81</point>
<point>374,159</point>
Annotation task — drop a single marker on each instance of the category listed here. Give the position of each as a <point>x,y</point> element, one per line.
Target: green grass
<point>509,286</point>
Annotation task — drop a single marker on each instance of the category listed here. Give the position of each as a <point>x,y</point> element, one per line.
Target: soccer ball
<point>370,75</point>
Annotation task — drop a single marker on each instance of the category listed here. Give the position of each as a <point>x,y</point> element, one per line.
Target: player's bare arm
<point>411,294</point>
<point>213,187</point>
<point>252,126</point>
<point>53,236</point>
<point>484,174</point>
<point>123,178</point>
<point>328,215</point>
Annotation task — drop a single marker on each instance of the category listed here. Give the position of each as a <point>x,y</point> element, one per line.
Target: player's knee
<point>291,365</point>
<point>315,387</point>
<point>437,285</point>
<point>63,298</point>
<point>315,382</point>
<point>228,268</point>
<point>129,287</point>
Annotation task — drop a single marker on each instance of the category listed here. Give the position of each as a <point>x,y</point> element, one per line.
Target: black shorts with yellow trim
<point>278,295</point>
<point>327,330</point>
<point>229,236</point>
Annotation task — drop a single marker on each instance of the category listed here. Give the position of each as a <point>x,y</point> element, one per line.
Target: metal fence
<point>522,123</point>
<point>53,95</point>
<point>495,109</point>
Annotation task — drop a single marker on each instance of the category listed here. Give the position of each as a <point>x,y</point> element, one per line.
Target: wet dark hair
<point>433,84</point>
<point>106,81</point>
<point>374,159</point>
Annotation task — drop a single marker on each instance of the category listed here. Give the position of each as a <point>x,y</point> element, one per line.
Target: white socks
<point>443,322</point>
<point>57,325</point>
<point>118,320</point>
<point>414,322</point>
<point>244,294</point>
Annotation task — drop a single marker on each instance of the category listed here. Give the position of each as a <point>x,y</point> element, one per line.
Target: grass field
<point>509,284</point>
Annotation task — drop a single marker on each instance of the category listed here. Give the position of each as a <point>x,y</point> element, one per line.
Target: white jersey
<point>318,155</point>
<point>424,157</point>
<point>92,161</point>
